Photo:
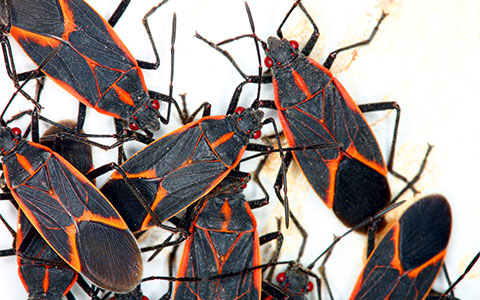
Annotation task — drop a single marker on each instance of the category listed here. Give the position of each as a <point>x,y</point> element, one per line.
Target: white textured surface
<point>424,57</point>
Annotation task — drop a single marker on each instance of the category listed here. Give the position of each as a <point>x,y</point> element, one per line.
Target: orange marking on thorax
<point>123,95</point>
<point>301,84</point>
<point>227,213</point>
<point>45,282</point>
<point>23,161</point>
<point>222,139</point>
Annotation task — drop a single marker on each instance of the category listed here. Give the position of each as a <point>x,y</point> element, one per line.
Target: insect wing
<point>171,173</point>
<point>92,62</point>
<point>35,272</point>
<point>75,219</point>
<point>409,257</point>
<point>317,109</point>
<point>223,241</point>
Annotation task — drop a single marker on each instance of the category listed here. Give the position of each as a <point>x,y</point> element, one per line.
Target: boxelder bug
<point>213,240</point>
<point>223,240</point>
<point>70,213</point>
<point>79,153</point>
<point>295,282</point>
<point>409,257</point>
<point>223,246</point>
<point>209,243</point>
<point>34,274</point>
<point>179,168</point>
<point>314,108</point>
<point>42,272</point>
<point>79,50</point>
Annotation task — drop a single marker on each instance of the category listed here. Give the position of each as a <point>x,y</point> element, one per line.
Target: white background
<point>425,57</point>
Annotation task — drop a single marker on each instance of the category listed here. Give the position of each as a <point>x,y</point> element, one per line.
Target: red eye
<point>281,277</point>
<point>268,62</point>
<point>294,44</point>
<point>257,134</point>
<point>239,110</point>
<point>133,126</point>
<point>155,104</point>
<point>16,131</point>
<point>309,286</point>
